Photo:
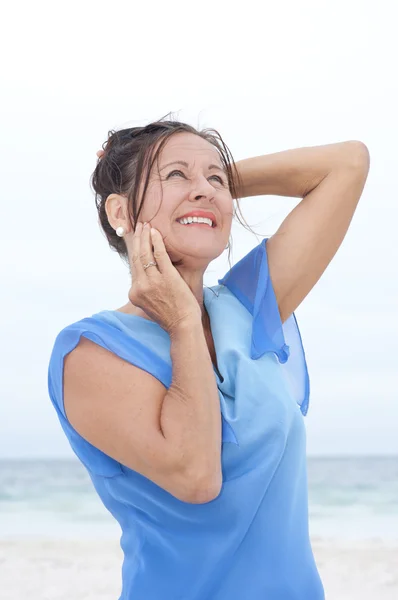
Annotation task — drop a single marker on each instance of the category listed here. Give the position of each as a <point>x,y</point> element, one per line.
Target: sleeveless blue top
<point>252,541</point>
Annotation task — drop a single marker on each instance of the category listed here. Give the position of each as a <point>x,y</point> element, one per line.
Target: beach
<point>45,569</point>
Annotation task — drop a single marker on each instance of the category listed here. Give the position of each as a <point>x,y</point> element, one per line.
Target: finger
<point>159,250</point>
<point>146,249</point>
<point>136,264</point>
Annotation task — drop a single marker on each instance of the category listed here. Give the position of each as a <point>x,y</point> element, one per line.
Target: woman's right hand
<point>159,291</point>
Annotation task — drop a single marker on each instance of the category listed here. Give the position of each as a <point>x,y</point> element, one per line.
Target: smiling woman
<point>186,404</point>
<point>141,162</point>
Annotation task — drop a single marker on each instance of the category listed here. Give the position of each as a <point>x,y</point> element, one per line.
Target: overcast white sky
<point>268,76</point>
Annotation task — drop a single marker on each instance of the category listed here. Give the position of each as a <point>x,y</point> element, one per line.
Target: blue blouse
<point>252,541</point>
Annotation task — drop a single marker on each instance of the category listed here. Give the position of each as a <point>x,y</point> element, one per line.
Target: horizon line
<point>77,460</point>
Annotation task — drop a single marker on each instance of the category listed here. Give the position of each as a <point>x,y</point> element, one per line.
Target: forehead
<point>189,147</point>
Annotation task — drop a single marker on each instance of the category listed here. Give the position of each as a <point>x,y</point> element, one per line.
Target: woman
<point>186,404</point>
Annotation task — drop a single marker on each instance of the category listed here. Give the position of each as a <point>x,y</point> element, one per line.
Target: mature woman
<point>186,404</point>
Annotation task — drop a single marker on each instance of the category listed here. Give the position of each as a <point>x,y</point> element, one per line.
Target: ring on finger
<point>150,264</point>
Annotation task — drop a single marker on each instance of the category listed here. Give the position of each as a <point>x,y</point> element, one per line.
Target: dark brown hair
<point>129,153</point>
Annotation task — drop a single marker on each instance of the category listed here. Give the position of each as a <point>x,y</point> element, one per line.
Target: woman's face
<point>177,189</point>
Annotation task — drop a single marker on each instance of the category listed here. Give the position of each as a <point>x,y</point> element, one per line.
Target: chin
<point>195,254</point>
<point>195,245</point>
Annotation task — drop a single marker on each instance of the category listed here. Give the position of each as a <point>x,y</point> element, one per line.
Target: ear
<point>117,212</point>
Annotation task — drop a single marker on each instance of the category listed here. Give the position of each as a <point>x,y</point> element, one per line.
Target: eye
<point>178,172</point>
<point>174,172</point>
<point>220,180</point>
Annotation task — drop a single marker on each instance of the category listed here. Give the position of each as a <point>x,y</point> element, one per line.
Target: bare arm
<point>190,417</point>
<point>330,179</point>
<point>172,437</point>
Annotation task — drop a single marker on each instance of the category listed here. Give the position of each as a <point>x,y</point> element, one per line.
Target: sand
<point>39,569</point>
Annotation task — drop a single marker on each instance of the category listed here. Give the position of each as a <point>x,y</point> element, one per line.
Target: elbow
<point>202,490</point>
<point>203,494</point>
<point>357,155</point>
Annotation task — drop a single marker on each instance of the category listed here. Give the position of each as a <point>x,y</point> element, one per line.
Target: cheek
<point>163,206</point>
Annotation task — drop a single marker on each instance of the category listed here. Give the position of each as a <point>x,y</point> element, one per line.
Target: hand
<point>159,291</point>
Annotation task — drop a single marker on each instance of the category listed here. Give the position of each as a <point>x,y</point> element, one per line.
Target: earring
<point>120,231</point>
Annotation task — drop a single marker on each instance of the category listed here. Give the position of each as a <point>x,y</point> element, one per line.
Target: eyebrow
<point>185,164</point>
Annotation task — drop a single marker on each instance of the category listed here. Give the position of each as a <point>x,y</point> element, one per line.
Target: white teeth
<point>188,220</point>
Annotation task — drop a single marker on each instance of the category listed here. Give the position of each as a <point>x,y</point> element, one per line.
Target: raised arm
<point>330,180</point>
<point>171,436</point>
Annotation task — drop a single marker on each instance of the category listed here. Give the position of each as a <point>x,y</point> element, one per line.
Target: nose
<point>201,189</point>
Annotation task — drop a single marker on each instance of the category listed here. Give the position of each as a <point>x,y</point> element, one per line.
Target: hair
<point>126,165</point>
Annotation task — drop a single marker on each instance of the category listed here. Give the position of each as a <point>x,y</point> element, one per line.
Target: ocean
<point>352,498</point>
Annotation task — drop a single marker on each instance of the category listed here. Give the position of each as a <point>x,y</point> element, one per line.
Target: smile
<point>198,221</point>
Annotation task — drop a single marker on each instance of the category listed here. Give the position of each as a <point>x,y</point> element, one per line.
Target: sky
<point>268,76</point>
